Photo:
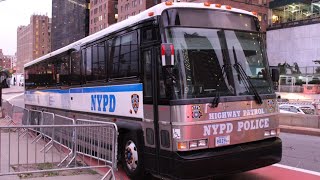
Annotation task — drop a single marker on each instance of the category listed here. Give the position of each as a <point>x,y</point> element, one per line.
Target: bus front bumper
<point>222,161</point>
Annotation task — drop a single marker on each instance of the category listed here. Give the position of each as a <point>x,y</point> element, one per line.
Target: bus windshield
<point>206,59</point>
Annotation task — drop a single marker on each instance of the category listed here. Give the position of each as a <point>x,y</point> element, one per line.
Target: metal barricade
<point>47,119</point>
<point>18,115</point>
<point>64,137</point>
<point>99,144</point>
<point>35,118</point>
<point>25,118</point>
<point>7,108</point>
<point>19,156</point>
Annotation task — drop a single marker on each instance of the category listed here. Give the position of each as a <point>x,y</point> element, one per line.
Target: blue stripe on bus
<point>78,90</point>
<point>117,88</point>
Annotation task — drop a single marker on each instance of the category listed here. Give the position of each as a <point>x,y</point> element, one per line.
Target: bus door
<point>157,126</point>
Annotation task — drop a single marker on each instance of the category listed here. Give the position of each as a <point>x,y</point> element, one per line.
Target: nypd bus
<point>188,85</point>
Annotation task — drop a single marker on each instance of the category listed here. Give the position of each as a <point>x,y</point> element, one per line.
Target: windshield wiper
<point>247,82</point>
<point>216,100</point>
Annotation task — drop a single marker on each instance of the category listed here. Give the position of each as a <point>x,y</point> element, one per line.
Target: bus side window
<point>124,56</point>
<point>88,64</point>
<point>147,88</point>
<point>62,70</point>
<point>75,77</point>
<point>149,34</point>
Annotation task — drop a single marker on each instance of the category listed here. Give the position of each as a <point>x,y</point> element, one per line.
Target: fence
<point>45,138</point>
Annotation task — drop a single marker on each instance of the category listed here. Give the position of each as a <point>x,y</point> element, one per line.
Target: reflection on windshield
<point>203,58</point>
<point>199,62</point>
<point>245,49</point>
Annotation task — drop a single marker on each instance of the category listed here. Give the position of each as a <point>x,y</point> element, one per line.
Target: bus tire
<point>132,155</point>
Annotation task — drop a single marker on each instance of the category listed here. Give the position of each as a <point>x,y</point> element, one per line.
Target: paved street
<point>301,151</point>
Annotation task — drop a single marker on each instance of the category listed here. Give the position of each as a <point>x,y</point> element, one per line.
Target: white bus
<point>188,85</point>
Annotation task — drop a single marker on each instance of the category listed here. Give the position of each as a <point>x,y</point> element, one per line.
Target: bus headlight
<point>202,143</point>
<point>193,144</point>
<point>266,133</point>
<point>271,133</point>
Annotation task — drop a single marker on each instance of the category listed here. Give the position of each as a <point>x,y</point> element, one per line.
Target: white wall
<point>297,44</point>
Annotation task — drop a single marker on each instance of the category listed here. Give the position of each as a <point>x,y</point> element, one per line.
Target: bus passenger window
<point>88,64</point>
<point>75,77</point>
<point>124,56</point>
<point>102,61</point>
<point>62,70</point>
<point>147,87</point>
<point>149,34</point>
<point>95,63</point>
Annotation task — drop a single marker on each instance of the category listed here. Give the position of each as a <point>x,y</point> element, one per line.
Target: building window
<point>260,17</point>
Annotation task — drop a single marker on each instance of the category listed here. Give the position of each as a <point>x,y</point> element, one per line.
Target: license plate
<point>222,140</point>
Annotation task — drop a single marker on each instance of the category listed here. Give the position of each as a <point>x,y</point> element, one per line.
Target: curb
<point>300,130</point>
<point>12,92</point>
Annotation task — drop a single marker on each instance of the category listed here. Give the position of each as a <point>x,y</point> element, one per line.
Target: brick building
<point>5,61</point>
<point>128,8</point>
<point>102,14</point>
<point>70,22</point>
<point>33,40</point>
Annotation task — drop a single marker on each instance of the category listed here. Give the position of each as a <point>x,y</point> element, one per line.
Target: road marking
<point>297,169</point>
<point>14,96</point>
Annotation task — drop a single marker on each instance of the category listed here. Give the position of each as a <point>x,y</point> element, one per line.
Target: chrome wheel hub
<point>131,155</point>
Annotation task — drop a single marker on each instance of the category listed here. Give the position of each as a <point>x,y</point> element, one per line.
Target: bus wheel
<point>131,156</point>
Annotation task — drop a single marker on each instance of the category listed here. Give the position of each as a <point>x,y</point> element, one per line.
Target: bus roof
<point>156,10</point>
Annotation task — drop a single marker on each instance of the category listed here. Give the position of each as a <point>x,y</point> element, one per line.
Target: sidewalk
<point>13,89</point>
<point>300,130</point>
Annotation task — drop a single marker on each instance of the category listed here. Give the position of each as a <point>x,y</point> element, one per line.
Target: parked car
<point>296,109</point>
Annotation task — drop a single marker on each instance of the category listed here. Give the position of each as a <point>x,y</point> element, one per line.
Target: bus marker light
<point>182,145</point>
<point>150,13</point>
<point>218,5</point>
<point>169,3</point>
<point>273,132</point>
<point>207,3</point>
<point>228,7</point>
<point>254,13</point>
<point>266,133</point>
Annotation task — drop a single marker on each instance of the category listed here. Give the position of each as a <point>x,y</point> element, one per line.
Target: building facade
<point>293,37</point>
<point>70,22</point>
<point>102,14</point>
<point>33,40</point>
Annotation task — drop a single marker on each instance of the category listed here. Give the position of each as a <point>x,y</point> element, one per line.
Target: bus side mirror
<point>167,54</point>
<point>275,75</point>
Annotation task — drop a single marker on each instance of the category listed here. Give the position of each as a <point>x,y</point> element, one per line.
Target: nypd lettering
<point>235,114</point>
<point>227,128</point>
<point>103,103</point>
